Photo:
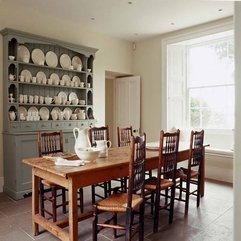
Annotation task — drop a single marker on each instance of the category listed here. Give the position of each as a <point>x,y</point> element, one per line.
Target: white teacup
<point>34,79</point>
<point>25,99</point>
<point>30,99</point>
<point>11,57</point>
<point>36,99</point>
<point>82,102</point>
<point>41,100</point>
<point>48,100</point>
<point>50,82</point>
<point>12,77</point>
<point>21,98</point>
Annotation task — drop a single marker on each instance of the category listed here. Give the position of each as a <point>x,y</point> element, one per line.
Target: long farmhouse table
<point>103,169</point>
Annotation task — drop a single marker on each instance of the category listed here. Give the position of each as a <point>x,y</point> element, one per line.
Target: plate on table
<point>26,73</point>
<point>72,96</point>
<point>41,75</point>
<point>65,61</point>
<point>23,52</point>
<point>51,59</point>
<point>38,57</point>
<point>63,96</point>
<point>55,110</point>
<point>76,61</point>
<point>64,155</point>
<point>22,110</point>
<point>44,112</point>
<point>33,109</point>
<point>76,79</point>
<point>67,109</point>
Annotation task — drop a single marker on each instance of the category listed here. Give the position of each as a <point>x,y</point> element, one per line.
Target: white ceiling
<point>133,19</point>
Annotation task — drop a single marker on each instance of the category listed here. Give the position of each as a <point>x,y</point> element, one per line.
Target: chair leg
<point>141,222</point>
<point>198,190</point>
<point>180,190</point>
<point>172,204</point>
<point>128,225</point>
<point>54,204</point>
<point>115,223</point>
<point>41,193</point>
<point>156,212</point>
<point>64,200</point>
<point>109,187</point>
<point>187,196</point>
<point>94,224</point>
<point>93,193</point>
<point>152,201</point>
<point>106,189</point>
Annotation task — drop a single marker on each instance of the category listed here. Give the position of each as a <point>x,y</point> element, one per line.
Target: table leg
<point>73,211</point>
<point>35,202</point>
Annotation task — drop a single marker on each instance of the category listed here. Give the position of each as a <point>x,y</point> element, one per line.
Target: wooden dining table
<point>72,178</point>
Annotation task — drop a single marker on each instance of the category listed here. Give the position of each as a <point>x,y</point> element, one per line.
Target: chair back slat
<point>137,167</point>
<point>196,148</point>
<point>168,152</point>
<point>49,143</point>
<point>124,136</point>
<point>98,134</point>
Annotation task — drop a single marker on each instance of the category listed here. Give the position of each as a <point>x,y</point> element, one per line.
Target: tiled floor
<point>211,222</point>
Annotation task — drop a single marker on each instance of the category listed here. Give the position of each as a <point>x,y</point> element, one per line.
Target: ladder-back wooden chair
<point>130,203</point>
<point>165,181</point>
<point>96,134</point>
<point>191,176</point>
<point>52,143</point>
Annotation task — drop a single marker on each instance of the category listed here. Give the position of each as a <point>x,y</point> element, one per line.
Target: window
<point>210,85</point>
<point>200,86</point>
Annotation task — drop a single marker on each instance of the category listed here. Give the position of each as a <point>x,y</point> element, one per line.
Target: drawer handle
<point>27,125</point>
<point>82,124</point>
<point>43,126</point>
<point>70,124</point>
<point>57,124</point>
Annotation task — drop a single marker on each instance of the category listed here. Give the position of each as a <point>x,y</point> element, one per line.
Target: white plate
<point>51,59</point>
<point>56,109</point>
<point>72,96</point>
<point>54,76</point>
<point>22,110</point>
<point>33,109</point>
<point>23,51</point>
<point>65,61</point>
<point>76,61</point>
<point>41,75</point>
<point>26,73</point>
<point>66,78</point>
<point>44,112</point>
<point>38,57</point>
<point>76,79</point>
<point>63,96</point>
<point>67,109</point>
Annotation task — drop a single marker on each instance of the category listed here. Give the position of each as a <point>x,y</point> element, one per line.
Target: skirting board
<point>1,184</point>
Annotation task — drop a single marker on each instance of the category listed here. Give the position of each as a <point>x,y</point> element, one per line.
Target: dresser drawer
<point>42,125</point>
<point>28,126</point>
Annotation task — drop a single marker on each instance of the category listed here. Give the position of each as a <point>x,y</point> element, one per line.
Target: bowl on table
<point>87,153</point>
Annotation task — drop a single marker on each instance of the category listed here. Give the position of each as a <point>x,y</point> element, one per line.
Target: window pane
<point>211,64</point>
<point>212,107</point>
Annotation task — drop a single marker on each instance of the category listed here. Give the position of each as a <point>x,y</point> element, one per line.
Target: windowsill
<point>219,152</point>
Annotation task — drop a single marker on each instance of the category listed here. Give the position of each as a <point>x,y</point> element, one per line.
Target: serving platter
<point>76,61</point>
<point>44,112</point>
<point>72,96</point>
<point>33,109</point>
<point>23,52</point>
<point>51,59</point>
<point>26,73</point>
<point>67,109</point>
<point>22,110</point>
<point>63,96</point>
<point>55,110</point>
<point>65,61</point>
<point>76,79</point>
<point>41,75</point>
<point>38,57</point>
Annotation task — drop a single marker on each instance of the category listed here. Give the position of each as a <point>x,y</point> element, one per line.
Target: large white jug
<point>81,138</point>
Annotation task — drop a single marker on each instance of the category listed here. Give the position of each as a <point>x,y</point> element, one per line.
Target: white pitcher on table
<point>103,146</point>
<point>81,138</point>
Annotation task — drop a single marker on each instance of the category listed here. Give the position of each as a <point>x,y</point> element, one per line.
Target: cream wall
<point>113,54</point>
<point>237,154</point>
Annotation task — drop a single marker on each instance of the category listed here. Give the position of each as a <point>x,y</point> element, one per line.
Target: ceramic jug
<point>103,146</point>
<point>81,138</point>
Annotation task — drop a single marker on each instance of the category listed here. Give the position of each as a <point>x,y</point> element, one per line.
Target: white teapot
<point>81,138</point>
<point>103,146</point>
